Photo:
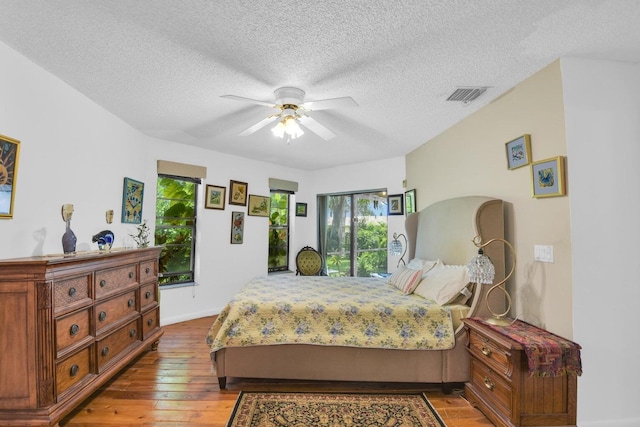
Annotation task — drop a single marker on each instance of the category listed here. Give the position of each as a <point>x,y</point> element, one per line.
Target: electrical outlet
<point>543,253</point>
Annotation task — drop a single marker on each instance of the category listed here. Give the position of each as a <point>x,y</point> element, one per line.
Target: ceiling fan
<point>291,111</point>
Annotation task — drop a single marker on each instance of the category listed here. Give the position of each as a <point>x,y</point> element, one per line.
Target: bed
<point>441,232</point>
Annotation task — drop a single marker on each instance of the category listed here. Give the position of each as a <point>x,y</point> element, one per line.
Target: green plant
<point>141,235</point>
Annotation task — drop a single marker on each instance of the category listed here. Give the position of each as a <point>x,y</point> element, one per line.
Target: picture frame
<point>410,201</point>
<point>215,197</point>
<point>238,193</point>
<point>258,205</point>
<point>237,228</point>
<point>301,209</point>
<point>547,177</point>
<point>395,204</point>
<point>518,152</point>
<point>132,198</point>
<point>9,157</point>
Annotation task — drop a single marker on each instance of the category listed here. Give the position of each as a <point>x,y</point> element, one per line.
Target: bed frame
<point>442,230</point>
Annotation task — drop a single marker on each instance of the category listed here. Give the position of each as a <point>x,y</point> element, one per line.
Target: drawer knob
<point>74,329</point>
<point>105,351</point>
<point>132,333</point>
<point>74,370</point>
<point>103,283</point>
<point>488,383</point>
<point>130,302</point>
<point>150,322</point>
<point>102,316</point>
<point>147,295</point>
<point>147,270</point>
<point>72,291</point>
<point>486,351</point>
<point>131,275</point>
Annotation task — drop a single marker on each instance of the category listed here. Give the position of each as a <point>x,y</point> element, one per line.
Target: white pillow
<point>443,283</point>
<point>423,264</point>
<point>405,279</point>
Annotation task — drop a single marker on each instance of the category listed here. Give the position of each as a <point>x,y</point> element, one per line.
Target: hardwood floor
<point>173,386</point>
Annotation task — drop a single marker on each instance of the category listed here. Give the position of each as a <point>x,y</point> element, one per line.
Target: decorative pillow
<point>423,264</point>
<point>443,283</point>
<point>405,279</point>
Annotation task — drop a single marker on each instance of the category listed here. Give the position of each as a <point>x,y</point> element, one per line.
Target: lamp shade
<point>481,269</point>
<point>395,247</point>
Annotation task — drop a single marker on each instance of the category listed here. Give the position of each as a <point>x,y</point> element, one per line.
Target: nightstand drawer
<point>492,387</point>
<point>490,353</point>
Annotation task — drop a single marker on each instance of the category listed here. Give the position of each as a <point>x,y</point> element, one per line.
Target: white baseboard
<point>188,316</point>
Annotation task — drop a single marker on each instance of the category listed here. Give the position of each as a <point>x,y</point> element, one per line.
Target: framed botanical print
<point>132,196</point>
<point>395,204</point>
<point>237,228</point>
<point>301,209</point>
<point>9,153</point>
<point>258,205</point>
<point>214,197</point>
<point>238,193</point>
<point>519,152</point>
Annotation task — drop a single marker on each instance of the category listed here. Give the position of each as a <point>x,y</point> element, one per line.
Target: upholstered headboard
<point>445,229</point>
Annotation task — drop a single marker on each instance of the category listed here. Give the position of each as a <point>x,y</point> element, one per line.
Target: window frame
<point>286,227</point>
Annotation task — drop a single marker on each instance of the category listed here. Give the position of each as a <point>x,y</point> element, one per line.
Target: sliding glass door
<point>353,233</point>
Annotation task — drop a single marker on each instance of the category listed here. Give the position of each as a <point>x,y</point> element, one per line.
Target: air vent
<point>467,94</point>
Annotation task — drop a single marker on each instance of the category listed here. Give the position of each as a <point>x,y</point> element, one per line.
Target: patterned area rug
<point>278,409</point>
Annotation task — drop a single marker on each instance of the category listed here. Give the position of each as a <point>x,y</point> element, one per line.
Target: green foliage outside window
<point>175,228</point>
<point>279,232</point>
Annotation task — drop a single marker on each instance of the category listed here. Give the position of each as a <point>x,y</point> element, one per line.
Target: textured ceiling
<point>163,65</point>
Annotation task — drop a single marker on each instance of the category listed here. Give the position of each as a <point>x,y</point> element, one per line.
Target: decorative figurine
<point>109,216</point>
<point>69,237</point>
<point>104,239</point>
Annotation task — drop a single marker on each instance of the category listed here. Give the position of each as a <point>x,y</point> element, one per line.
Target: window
<point>279,232</point>
<point>176,199</point>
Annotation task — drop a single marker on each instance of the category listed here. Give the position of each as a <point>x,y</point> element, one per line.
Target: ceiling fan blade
<point>316,127</point>
<point>326,104</point>
<point>249,100</point>
<point>262,123</point>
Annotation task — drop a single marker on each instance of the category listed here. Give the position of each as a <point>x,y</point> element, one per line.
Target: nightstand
<point>501,384</point>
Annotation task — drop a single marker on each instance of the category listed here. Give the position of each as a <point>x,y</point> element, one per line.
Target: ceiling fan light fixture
<point>289,127</point>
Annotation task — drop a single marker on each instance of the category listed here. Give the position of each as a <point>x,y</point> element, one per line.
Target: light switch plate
<point>543,253</point>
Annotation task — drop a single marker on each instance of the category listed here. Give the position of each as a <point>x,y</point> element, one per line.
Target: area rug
<point>298,409</point>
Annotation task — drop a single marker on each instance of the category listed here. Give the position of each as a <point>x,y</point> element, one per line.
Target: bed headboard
<point>445,229</point>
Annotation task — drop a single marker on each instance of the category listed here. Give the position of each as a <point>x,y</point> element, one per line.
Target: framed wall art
<point>9,154</point>
<point>301,209</point>
<point>519,152</point>
<point>547,177</point>
<point>258,205</point>
<point>238,193</point>
<point>395,204</point>
<point>237,227</point>
<point>132,196</point>
<point>214,197</point>
<point>410,201</point>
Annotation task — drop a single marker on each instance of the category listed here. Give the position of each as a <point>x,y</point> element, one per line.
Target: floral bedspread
<point>338,311</point>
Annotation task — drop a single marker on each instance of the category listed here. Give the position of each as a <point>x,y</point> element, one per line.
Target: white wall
<point>602,110</point>
<point>73,151</point>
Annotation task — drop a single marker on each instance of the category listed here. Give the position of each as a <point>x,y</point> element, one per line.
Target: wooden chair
<point>308,262</point>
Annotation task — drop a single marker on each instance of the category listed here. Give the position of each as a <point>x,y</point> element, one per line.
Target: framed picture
<point>237,227</point>
<point>301,209</point>
<point>9,153</point>
<point>214,197</point>
<point>258,205</point>
<point>395,204</point>
<point>410,201</point>
<point>132,194</point>
<point>519,152</point>
<point>547,177</point>
<point>238,193</point>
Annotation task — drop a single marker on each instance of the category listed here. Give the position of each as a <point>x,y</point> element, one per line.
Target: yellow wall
<point>470,159</point>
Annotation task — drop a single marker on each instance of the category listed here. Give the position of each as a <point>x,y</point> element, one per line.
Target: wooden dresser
<point>68,324</point>
<point>502,388</point>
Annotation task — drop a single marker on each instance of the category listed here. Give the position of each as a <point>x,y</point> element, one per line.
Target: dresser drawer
<point>71,293</point>
<point>148,270</point>
<point>115,344</point>
<point>490,353</point>
<point>115,279</point>
<point>150,322</point>
<point>148,295</point>
<point>115,310</point>
<point>72,329</point>
<point>73,370</point>
<point>489,385</point>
